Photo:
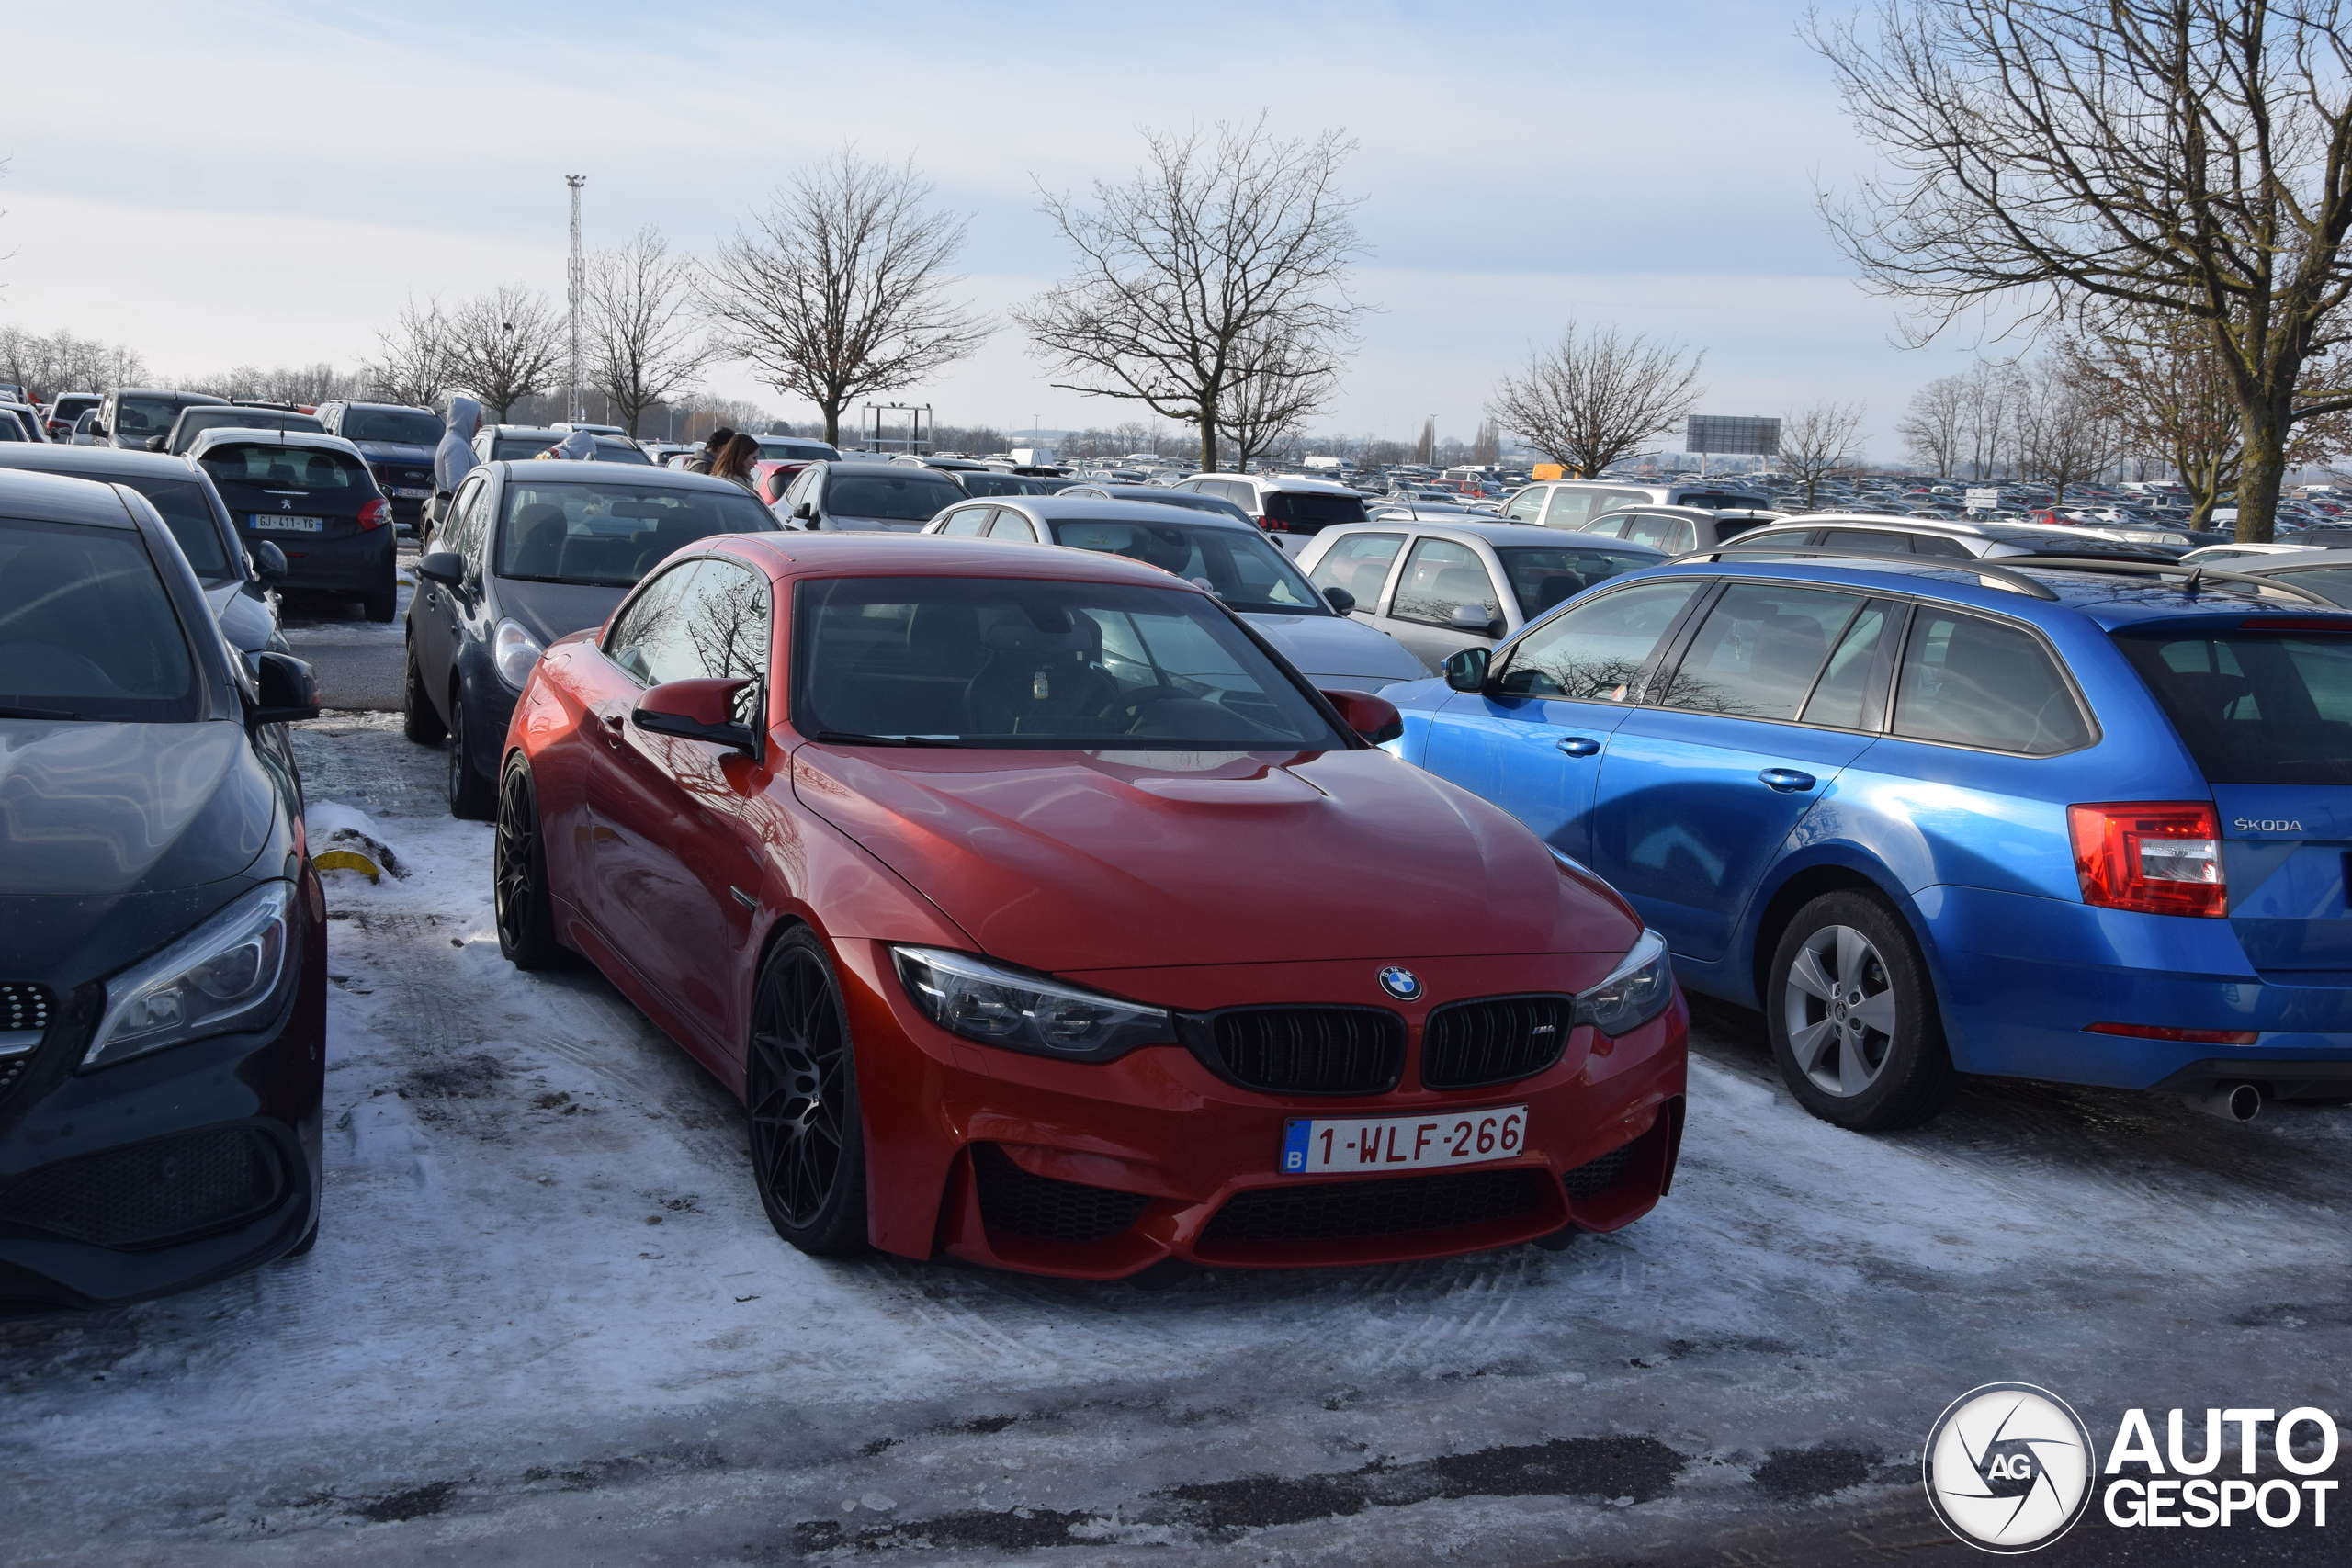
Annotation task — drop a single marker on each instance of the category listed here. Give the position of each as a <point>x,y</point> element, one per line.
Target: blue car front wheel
<point>1854,1016</point>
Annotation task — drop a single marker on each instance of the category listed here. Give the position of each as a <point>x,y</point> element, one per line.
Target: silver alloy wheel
<point>1839,1008</point>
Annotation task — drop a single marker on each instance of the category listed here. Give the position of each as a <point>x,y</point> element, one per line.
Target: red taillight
<point>1267,523</point>
<point>2189,1036</point>
<point>376,513</point>
<point>2158,857</point>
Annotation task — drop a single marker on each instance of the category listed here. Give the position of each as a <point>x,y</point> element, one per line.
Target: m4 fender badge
<point>1402,984</point>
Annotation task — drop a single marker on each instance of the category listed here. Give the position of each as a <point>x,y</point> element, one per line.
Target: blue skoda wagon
<point>2074,820</point>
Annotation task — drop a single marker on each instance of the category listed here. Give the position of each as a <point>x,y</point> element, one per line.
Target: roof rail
<point>2195,574</point>
<point>2014,581</point>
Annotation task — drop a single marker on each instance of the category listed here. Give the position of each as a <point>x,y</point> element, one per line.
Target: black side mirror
<point>804,511</point>
<point>97,431</point>
<point>155,443</point>
<point>444,567</point>
<point>287,691</point>
<point>1342,599</point>
<point>698,710</point>
<point>269,561</point>
<point>1466,671</point>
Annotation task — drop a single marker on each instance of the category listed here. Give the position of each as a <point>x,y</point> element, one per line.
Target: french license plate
<point>1318,1148</point>
<point>282,523</point>
<point>410,492</point>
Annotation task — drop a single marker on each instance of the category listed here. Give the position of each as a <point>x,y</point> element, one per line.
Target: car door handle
<point>1579,746</point>
<point>1788,781</point>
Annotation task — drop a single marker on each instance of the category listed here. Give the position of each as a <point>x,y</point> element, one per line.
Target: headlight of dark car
<point>229,973</point>
<point>1022,1011</point>
<point>1635,991</point>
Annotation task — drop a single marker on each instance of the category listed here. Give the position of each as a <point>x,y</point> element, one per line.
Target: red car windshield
<point>1013,663</point>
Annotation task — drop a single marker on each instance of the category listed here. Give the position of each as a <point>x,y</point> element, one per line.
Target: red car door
<point>673,874</point>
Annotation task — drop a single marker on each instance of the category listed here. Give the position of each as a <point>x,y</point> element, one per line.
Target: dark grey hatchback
<point>533,551</point>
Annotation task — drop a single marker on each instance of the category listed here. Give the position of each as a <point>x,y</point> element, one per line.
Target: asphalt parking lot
<point>546,1323</point>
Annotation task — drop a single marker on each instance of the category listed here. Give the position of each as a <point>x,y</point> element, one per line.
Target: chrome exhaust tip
<point>2239,1102</point>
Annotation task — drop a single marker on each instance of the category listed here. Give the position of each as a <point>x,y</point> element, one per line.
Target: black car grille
<point>1593,1177</point>
<point>1308,1050</point>
<point>1398,1205</point>
<point>150,1193</point>
<point>1019,1203</point>
<point>25,1008</point>
<point>1494,1039</point>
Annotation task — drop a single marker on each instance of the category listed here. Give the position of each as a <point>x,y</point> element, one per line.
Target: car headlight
<point>227,974</point>
<point>1635,991</point>
<point>514,651</point>
<point>1022,1011</point>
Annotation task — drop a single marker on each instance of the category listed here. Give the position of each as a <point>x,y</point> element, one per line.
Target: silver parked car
<point>1232,558</point>
<point>1440,586</point>
<point>1960,540</point>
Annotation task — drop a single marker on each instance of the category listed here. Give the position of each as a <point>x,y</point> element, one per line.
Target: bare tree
<point>2186,156</point>
<point>1425,446</point>
<point>1932,430</point>
<point>1221,245</point>
<point>1270,408</point>
<point>505,345</point>
<point>644,347</point>
<point>838,288</point>
<point>2067,433</point>
<point>413,363</point>
<point>1817,443</point>
<point>2157,376</point>
<point>1488,447</point>
<point>1597,397</point>
<point>60,362</point>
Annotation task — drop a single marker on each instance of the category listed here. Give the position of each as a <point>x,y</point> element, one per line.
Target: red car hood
<point>1062,861</point>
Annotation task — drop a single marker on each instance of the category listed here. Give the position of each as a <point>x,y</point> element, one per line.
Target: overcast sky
<point>239,183</point>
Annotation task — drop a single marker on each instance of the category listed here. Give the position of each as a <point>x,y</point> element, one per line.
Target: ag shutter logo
<point>2008,1466</point>
<point>1402,984</point>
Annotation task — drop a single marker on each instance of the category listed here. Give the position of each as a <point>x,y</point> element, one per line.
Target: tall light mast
<point>579,410</point>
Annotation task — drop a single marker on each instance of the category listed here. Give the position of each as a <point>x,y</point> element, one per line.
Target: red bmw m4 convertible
<point>1043,917</point>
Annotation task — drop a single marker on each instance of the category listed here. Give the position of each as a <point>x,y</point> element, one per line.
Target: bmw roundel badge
<point>1402,984</point>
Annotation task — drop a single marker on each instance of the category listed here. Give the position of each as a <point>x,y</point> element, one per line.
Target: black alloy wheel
<point>1852,1014</point>
<point>807,1151</point>
<point>470,796</point>
<point>419,722</point>
<point>525,914</point>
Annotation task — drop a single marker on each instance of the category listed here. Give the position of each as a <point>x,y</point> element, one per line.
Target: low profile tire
<point>471,798</point>
<point>380,608</point>
<point>1854,1017</point>
<point>418,721</point>
<point>525,913</point>
<point>808,1152</point>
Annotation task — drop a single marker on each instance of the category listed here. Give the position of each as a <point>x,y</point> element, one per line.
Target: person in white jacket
<point>452,461</point>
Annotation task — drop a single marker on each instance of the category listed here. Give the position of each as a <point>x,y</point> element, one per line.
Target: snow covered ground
<point>546,1322</point>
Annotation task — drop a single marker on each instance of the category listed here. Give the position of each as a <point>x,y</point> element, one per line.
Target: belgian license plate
<point>282,523</point>
<point>410,492</point>
<point>1320,1147</point>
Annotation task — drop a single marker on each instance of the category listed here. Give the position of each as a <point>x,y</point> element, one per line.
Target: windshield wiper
<point>7,712</point>
<point>843,737</point>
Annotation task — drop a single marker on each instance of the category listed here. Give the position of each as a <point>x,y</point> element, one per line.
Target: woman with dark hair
<point>734,462</point>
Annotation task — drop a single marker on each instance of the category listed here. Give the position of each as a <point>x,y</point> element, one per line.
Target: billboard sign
<point>1729,436</point>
